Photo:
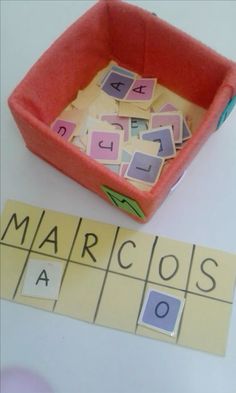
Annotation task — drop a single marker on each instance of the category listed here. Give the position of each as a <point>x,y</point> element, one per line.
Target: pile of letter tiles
<point>114,121</point>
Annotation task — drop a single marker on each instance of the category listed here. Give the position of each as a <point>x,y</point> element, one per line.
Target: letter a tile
<point>43,279</point>
<point>117,85</point>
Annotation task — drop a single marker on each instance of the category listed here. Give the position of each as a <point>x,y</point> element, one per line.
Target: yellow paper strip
<point>108,270</point>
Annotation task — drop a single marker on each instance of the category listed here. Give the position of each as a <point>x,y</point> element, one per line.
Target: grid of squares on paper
<point>96,289</point>
<point>117,100</point>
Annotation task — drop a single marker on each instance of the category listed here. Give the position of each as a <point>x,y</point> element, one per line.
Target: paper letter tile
<point>63,128</point>
<point>138,125</point>
<point>173,119</point>
<point>120,70</point>
<point>161,312</point>
<point>144,167</point>
<point>120,123</point>
<point>168,108</point>
<point>105,146</point>
<point>131,109</point>
<point>171,108</point>
<point>186,130</point>
<point>43,279</point>
<point>117,85</point>
<point>163,135</point>
<point>141,90</point>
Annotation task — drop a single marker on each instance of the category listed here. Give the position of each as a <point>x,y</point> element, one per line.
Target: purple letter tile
<point>144,167</point>
<point>164,135</point>
<point>63,128</point>
<point>161,312</point>
<point>105,146</point>
<point>119,122</point>
<point>172,119</point>
<point>142,90</point>
<point>117,85</point>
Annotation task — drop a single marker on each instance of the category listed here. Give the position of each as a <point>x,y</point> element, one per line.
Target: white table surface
<point>75,356</point>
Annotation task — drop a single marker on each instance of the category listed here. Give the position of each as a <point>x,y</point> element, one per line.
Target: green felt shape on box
<point>123,202</point>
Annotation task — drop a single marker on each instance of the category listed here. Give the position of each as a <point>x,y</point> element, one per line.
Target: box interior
<point>154,48</point>
<point>140,41</point>
<point>135,39</point>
